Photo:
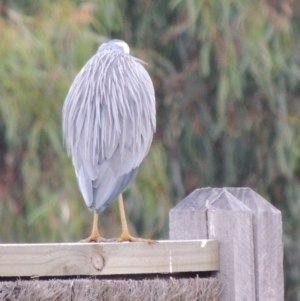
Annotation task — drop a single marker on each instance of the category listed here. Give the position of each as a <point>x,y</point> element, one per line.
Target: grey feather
<point>108,123</point>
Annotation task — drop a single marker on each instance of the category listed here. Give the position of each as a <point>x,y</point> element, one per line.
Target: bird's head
<point>115,45</point>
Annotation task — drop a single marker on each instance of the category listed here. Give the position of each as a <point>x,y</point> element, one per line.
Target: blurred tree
<point>227,79</point>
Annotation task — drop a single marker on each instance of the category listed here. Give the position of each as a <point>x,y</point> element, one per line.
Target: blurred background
<point>227,81</point>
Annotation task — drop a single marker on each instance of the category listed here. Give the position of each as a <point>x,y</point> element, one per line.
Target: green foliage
<point>227,80</point>
<point>39,58</point>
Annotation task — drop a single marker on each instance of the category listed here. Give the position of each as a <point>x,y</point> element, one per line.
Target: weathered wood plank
<point>221,216</point>
<point>230,221</point>
<point>107,258</point>
<point>188,218</point>
<point>268,245</point>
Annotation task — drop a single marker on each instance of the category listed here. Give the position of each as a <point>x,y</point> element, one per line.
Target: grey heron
<point>108,123</point>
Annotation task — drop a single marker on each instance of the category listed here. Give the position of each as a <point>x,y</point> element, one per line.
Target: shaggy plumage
<point>108,122</point>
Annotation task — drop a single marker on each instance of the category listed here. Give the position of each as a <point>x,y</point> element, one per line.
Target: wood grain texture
<point>231,222</point>
<point>107,258</point>
<point>225,218</point>
<point>268,245</point>
<point>189,212</point>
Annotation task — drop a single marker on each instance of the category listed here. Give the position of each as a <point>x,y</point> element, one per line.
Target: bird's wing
<point>108,124</point>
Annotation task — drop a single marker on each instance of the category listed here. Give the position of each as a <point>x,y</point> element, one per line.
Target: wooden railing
<point>249,232</point>
<point>232,233</point>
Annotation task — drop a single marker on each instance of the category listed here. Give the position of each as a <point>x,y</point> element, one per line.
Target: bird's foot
<point>129,238</point>
<point>93,238</point>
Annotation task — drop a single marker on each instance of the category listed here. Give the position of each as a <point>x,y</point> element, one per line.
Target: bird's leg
<point>95,236</point>
<point>125,236</point>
